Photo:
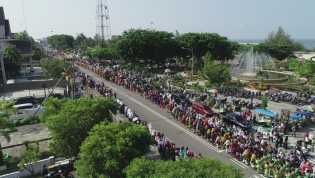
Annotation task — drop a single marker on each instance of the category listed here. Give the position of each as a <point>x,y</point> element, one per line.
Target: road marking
<point>311,160</point>
<point>240,164</point>
<point>220,151</point>
<point>258,176</point>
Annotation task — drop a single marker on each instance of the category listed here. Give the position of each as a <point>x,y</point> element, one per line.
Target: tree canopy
<point>205,168</point>
<point>53,68</point>
<point>70,121</point>
<point>82,42</point>
<point>304,69</point>
<point>109,148</point>
<point>216,74</point>
<point>30,155</point>
<point>147,45</point>
<point>12,61</point>
<point>102,53</point>
<point>279,45</point>
<point>6,109</point>
<point>61,42</point>
<point>23,36</point>
<point>38,54</point>
<point>202,43</point>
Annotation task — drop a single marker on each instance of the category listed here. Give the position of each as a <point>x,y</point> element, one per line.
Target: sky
<point>236,19</point>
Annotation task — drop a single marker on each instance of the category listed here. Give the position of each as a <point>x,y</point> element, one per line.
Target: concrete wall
<point>36,168</point>
<point>29,86</point>
<point>2,31</point>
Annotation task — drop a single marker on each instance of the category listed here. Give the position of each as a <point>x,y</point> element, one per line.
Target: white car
<point>27,109</point>
<point>24,106</point>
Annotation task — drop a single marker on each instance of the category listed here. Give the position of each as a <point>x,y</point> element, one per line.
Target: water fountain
<point>258,70</point>
<point>250,63</point>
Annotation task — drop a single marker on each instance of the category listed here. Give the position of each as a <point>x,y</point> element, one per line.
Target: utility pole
<point>192,62</point>
<point>4,78</point>
<point>192,59</point>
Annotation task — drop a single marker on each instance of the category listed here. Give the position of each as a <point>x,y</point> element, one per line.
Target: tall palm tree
<point>6,109</point>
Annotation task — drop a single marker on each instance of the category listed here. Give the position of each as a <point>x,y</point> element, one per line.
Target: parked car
<point>238,120</point>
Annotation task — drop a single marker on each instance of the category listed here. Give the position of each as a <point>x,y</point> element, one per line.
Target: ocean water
<point>307,43</point>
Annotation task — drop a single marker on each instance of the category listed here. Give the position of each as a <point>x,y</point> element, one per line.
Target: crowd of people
<point>294,98</point>
<point>297,98</point>
<point>266,153</point>
<point>167,149</point>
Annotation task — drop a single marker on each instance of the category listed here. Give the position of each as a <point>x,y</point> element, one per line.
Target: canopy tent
<point>298,116</point>
<point>266,112</point>
<point>308,108</point>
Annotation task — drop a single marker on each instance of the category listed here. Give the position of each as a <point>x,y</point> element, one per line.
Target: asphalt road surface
<point>163,122</point>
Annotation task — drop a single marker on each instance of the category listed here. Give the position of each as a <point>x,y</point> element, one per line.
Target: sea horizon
<point>307,43</point>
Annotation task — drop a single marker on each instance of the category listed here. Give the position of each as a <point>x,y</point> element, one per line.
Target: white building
<point>305,55</point>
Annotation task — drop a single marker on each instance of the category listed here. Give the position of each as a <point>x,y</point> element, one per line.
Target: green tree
<point>6,110</point>
<point>53,68</point>
<point>82,42</point>
<point>38,54</point>
<point>205,168</point>
<point>307,69</point>
<point>24,36</point>
<point>102,53</point>
<point>147,45</point>
<point>279,45</point>
<point>70,125</point>
<point>215,74</point>
<point>12,61</point>
<point>293,65</point>
<point>52,106</point>
<point>61,42</point>
<point>264,102</point>
<point>109,148</point>
<point>199,44</point>
<point>30,155</point>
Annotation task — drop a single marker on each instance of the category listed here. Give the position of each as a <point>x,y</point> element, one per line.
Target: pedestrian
<point>286,142</point>
<point>294,130</point>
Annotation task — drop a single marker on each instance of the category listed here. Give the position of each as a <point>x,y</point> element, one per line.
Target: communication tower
<point>103,27</point>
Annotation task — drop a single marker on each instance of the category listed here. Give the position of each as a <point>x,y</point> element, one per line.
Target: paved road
<point>161,120</point>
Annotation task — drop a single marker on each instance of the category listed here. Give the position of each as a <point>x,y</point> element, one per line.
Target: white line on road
<point>240,164</point>
<point>258,176</point>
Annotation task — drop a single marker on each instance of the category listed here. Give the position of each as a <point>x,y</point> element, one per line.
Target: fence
<point>30,85</point>
<point>31,169</point>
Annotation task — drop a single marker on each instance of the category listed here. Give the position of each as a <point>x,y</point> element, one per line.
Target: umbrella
<point>308,108</point>
<point>301,115</point>
<point>167,70</point>
<point>296,116</point>
<point>266,112</point>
